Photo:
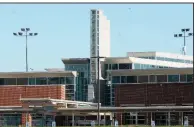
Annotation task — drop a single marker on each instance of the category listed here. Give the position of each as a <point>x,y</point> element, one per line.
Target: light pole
<point>185,34</point>
<point>98,83</point>
<point>25,33</point>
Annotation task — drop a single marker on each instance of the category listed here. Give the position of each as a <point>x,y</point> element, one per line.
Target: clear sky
<point>64,31</point>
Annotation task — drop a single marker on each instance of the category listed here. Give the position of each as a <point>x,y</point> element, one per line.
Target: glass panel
<point>173,78</point>
<point>32,81</point>
<point>116,79</point>
<point>152,78</point>
<point>123,79</point>
<point>54,80</point>
<point>152,57</point>
<point>161,78</point>
<point>181,61</point>
<point>142,79</point>
<point>69,80</point>
<point>160,58</point>
<point>106,67</point>
<point>81,74</point>
<point>110,66</point>
<point>189,78</point>
<point>41,81</point>
<point>183,78</point>
<point>125,66</point>
<point>2,81</point>
<point>62,80</point>
<point>93,12</point>
<point>136,66</point>
<point>10,81</point>
<point>114,66</point>
<point>22,81</point>
<point>131,79</point>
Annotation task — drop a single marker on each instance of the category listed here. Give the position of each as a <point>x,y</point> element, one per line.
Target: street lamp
<point>185,34</point>
<point>25,33</point>
<point>98,83</point>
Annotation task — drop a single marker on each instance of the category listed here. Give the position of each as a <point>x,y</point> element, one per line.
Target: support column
<point>73,119</point>
<point>147,118</point>
<point>182,118</point>
<point>169,118</point>
<point>121,119</point>
<point>26,117</point>
<point>111,118</point>
<point>104,119</point>
<point>136,118</point>
<point>151,118</point>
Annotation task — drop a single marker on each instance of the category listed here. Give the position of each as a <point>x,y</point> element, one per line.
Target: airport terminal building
<point>129,86</point>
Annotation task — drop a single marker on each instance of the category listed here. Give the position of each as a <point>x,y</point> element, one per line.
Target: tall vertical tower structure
<point>99,42</point>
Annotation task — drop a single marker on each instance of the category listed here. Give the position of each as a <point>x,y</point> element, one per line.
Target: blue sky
<point>64,31</point>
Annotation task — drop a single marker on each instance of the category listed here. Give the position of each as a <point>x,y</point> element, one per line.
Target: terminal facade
<point>127,88</point>
<point>139,79</point>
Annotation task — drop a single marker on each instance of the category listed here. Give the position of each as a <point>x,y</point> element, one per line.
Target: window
<point>125,66</point>
<point>160,58</point>
<point>183,78</point>
<point>93,12</point>
<point>152,57</point>
<point>106,66</point>
<point>22,81</point>
<point>123,79</point>
<point>98,24</point>
<point>142,79</point>
<point>116,79</point>
<point>131,79</point>
<point>173,78</point>
<point>69,80</point>
<point>69,87</point>
<point>81,74</point>
<point>190,78</point>
<point>181,61</point>
<point>54,80</point>
<point>62,80</point>
<point>32,81</point>
<point>10,81</point>
<point>110,66</point>
<point>152,78</point>
<point>161,78</point>
<point>2,81</point>
<point>41,81</point>
<point>114,66</point>
<point>136,66</point>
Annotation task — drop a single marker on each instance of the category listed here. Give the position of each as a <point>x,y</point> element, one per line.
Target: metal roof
<point>132,109</point>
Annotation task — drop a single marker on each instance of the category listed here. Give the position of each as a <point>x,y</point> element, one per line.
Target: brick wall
<point>149,94</point>
<point>10,95</point>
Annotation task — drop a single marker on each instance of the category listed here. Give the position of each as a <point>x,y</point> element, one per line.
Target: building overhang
<point>117,60</point>
<point>155,71</point>
<point>76,60</point>
<point>56,103</point>
<point>38,74</point>
<point>131,109</point>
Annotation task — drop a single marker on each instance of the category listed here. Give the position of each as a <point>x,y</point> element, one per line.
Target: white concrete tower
<point>99,40</point>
